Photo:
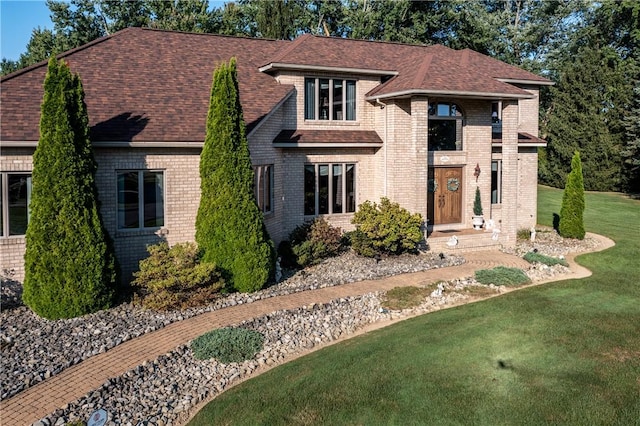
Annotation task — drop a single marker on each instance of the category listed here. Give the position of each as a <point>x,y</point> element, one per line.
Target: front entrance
<point>445,195</point>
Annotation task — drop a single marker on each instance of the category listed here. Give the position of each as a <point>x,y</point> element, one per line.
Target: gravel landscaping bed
<point>167,390</point>
<point>34,349</point>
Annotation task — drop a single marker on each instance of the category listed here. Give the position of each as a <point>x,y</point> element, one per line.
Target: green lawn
<point>562,353</point>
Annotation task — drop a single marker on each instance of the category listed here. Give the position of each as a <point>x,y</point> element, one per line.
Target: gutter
<point>456,94</point>
<point>274,66</point>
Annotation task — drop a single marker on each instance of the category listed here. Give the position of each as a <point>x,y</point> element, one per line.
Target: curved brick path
<point>42,399</point>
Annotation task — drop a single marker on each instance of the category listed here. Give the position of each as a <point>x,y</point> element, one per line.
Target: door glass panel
<point>309,190</point>
<point>323,189</point>
<point>338,190</point>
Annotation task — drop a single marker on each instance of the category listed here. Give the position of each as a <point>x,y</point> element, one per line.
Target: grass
<point>563,353</point>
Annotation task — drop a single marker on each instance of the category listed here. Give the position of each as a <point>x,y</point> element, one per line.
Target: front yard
<point>562,353</point>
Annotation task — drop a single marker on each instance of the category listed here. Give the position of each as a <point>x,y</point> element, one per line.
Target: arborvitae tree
<point>571,213</point>
<point>229,227</point>
<point>69,264</point>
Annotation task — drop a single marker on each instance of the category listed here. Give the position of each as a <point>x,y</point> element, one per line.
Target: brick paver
<point>42,399</point>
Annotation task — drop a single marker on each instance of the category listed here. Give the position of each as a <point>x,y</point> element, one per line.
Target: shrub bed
<point>501,275</point>
<point>227,345</point>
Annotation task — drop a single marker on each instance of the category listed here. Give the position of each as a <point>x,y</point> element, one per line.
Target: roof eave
<point>275,66</point>
<point>457,94</point>
<point>327,145</point>
<point>529,82</point>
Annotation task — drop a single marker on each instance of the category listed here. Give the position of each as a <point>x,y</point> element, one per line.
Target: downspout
<point>382,106</point>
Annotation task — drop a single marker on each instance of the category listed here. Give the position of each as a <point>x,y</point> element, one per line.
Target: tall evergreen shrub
<point>571,213</point>
<point>69,265</point>
<point>229,226</point>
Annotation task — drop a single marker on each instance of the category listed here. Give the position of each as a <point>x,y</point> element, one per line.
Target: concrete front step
<point>480,240</point>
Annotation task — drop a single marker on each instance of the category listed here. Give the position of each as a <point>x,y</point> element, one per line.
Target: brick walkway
<point>42,399</point>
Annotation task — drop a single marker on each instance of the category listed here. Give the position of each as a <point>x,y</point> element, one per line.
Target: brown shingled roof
<point>328,138</point>
<point>147,85</point>
<point>417,68</point>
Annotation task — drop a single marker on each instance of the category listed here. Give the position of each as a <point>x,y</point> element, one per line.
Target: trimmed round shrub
<point>315,241</point>
<point>228,344</point>
<point>502,275</point>
<point>174,278</point>
<point>385,228</point>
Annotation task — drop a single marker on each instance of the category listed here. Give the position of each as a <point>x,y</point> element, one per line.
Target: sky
<point>18,19</point>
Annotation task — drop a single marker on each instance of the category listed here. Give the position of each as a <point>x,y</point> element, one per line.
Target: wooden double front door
<point>445,195</point>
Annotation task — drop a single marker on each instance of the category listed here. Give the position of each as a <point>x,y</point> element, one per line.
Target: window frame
<point>5,208</point>
<point>141,204</point>
<point>349,202</point>
<point>498,182</point>
<point>312,98</point>
<point>455,115</point>
<point>264,171</point>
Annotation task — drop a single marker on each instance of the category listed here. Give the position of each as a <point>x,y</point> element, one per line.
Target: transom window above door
<point>329,99</point>
<point>445,127</point>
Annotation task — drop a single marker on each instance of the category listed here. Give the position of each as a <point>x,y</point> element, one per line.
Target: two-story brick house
<point>331,123</point>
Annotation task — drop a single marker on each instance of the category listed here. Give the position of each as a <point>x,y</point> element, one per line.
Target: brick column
<point>509,225</point>
<point>419,140</point>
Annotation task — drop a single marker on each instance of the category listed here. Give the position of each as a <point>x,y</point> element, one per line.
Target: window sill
<point>12,239</point>
<point>141,232</point>
<point>346,123</point>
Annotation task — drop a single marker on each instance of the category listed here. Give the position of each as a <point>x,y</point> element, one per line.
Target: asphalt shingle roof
<point>145,85</point>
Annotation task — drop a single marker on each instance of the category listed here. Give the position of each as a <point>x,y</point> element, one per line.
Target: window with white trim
<point>263,187</point>
<point>496,182</point>
<point>140,199</point>
<point>329,99</point>
<point>14,203</point>
<point>329,188</point>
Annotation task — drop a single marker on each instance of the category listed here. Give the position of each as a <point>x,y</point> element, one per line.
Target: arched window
<point>445,127</point>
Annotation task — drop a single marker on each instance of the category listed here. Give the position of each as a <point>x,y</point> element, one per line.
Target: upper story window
<point>329,99</point>
<point>445,127</point>
<point>14,203</point>
<point>140,199</point>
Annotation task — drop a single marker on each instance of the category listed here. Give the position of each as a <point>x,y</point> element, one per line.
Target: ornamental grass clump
<point>385,228</point>
<point>532,257</point>
<point>227,345</point>
<point>502,275</point>
<point>174,278</point>
<point>399,298</point>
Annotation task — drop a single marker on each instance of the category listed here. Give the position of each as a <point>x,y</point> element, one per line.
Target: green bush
<point>523,234</point>
<point>571,213</point>
<point>532,257</point>
<point>315,241</point>
<point>230,228</point>
<point>385,229</point>
<point>174,278</point>
<point>70,268</point>
<point>502,275</point>
<point>229,344</point>
<point>477,203</point>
